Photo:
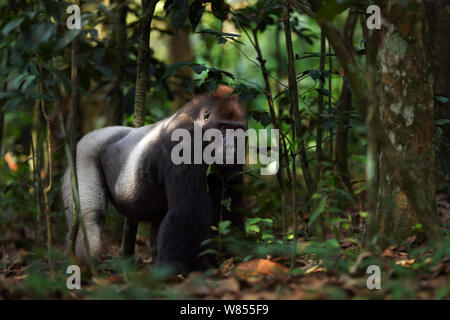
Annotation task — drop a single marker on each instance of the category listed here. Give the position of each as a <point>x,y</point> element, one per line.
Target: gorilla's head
<point>221,118</point>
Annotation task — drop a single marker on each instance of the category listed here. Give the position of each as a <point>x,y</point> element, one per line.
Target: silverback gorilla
<point>132,168</point>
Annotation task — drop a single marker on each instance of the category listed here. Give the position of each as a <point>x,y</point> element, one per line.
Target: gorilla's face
<point>218,120</point>
<point>225,113</point>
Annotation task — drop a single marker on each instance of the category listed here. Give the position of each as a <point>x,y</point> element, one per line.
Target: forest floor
<point>331,270</point>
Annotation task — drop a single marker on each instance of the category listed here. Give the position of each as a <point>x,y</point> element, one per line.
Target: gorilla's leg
<point>154,230</point>
<point>93,201</point>
<point>130,228</point>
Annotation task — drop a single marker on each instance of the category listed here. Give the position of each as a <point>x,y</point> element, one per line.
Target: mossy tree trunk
<point>148,9</point>
<point>401,143</point>
<point>407,117</point>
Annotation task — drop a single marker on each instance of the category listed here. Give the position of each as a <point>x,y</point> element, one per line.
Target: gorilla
<point>132,169</point>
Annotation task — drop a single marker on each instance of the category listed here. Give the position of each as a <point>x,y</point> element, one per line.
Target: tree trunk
<point>120,38</point>
<point>4,64</point>
<point>74,133</point>
<point>319,130</point>
<point>407,112</point>
<point>148,8</point>
<point>439,22</point>
<point>2,121</point>
<point>344,104</point>
<point>297,129</point>
<point>180,50</point>
<point>407,107</point>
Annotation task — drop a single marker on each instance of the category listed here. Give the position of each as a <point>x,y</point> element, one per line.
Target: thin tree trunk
<point>74,106</point>
<point>319,130</point>
<point>293,98</point>
<point>2,121</point>
<point>293,94</point>
<point>330,90</point>
<point>180,50</point>
<point>284,158</point>
<point>344,104</point>
<point>278,59</point>
<point>148,9</point>
<point>37,149</point>
<point>268,93</point>
<point>120,38</point>
<point>2,111</point>
<point>439,22</point>
<point>49,186</point>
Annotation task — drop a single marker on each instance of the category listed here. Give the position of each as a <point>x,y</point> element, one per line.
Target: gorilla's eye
<point>206,115</point>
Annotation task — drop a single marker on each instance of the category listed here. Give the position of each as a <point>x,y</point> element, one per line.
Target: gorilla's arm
<point>188,220</point>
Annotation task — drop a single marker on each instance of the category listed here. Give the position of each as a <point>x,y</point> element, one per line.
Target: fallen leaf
<point>227,267</point>
<point>411,239</point>
<point>314,269</point>
<point>405,262</point>
<point>255,269</point>
<point>388,253</point>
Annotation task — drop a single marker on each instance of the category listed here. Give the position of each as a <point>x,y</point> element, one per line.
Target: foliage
<point>328,240</point>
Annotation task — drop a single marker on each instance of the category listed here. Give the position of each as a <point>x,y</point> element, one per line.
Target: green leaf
<point>224,227</point>
<point>324,92</point>
<point>442,292</point>
<point>330,8</point>
<point>199,68</point>
<point>61,76</point>
<point>66,39</point>
<point>227,74</point>
<point>226,203</point>
<point>195,14</point>
<point>174,68</point>
<point>441,122</point>
<point>252,228</point>
<point>252,221</point>
<point>209,251</point>
<point>314,74</point>
<point>318,211</point>
<point>219,9</point>
<point>211,85</point>
<point>265,119</point>
<point>11,25</point>
<point>180,13</point>
<point>219,34</point>
<point>441,99</point>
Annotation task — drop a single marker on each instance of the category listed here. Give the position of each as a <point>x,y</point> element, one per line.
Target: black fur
<point>132,169</point>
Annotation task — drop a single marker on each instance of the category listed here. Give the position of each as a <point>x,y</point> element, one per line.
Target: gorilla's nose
<point>229,124</point>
